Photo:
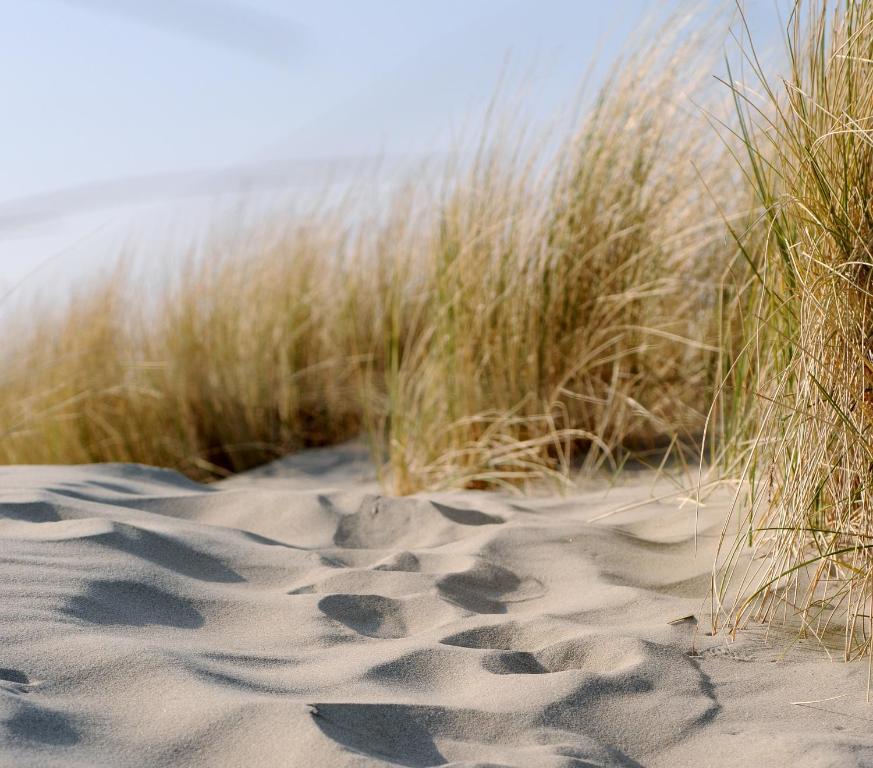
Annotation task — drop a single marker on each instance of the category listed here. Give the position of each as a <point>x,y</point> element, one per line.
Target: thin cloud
<point>246,30</point>
<point>25,212</point>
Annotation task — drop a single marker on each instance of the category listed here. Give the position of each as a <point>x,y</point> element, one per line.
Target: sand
<point>296,617</point>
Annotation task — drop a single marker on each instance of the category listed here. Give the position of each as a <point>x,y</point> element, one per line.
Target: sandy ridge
<point>297,617</point>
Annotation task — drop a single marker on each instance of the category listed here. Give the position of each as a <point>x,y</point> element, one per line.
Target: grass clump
<point>242,357</point>
<point>809,350</point>
<point>570,314</point>
<point>540,310</point>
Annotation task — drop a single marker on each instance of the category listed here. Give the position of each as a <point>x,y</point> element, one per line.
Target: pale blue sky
<point>100,90</point>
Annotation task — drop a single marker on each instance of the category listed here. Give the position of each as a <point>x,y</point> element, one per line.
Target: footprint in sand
<point>370,615</point>
<point>13,681</point>
<point>386,523</point>
<point>124,602</point>
<point>488,588</point>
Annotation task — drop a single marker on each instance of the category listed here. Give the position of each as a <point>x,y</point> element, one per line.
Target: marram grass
<point>542,309</point>
<point>571,312</point>
<point>804,552</point>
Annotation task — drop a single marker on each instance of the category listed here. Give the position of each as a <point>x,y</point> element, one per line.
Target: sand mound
<point>297,617</point>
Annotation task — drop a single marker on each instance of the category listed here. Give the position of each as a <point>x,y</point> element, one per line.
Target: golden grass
<point>570,313</point>
<point>804,551</point>
<point>244,357</point>
<point>544,308</point>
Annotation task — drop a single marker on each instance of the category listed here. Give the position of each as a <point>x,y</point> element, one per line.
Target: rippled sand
<point>295,617</point>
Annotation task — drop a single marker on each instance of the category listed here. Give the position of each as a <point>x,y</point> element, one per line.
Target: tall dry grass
<point>245,355</point>
<point>571,313</point>
<point>544,309</point>
<point>804,552</point>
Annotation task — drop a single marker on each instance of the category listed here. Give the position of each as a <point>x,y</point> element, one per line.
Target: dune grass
<point>570,317</point>
<point>243,357</point>
<point>804,550</point>
<point>542,309</point>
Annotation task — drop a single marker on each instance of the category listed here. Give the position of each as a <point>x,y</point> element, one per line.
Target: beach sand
<point>294,616</point>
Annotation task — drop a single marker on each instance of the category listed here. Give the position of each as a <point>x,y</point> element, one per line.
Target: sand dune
<point>295,617</point>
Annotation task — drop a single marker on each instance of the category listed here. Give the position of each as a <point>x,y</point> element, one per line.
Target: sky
<point>117,112</point>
